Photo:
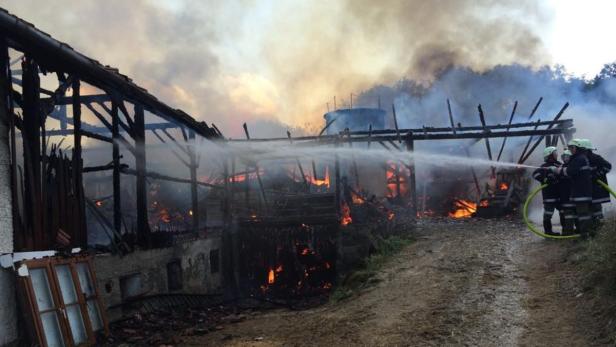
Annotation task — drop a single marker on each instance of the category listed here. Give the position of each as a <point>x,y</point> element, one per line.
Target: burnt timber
<point>30,106</point>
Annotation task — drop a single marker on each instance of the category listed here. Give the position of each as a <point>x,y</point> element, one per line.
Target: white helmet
<point>548,151</point>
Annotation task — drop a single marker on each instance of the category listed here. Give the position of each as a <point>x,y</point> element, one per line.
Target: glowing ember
<point>324,182</point>
<point>503,186</point>
<point>464,209</point>
<point>271,277</point>
<point>190,212</point>
<point>390,215</point>
<point>305,251</point>
<point>279,269</point>
<point>346,215</point>
<point>98,203</point>
<point>483,203</point>
<point>357,200</point>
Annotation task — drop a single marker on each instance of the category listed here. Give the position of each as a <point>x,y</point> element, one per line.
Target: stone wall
<point>8,305</point>
<point>148,272</point>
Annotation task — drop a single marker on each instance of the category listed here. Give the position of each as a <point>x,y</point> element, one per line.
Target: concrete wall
<point>145,272</point>
<point>8,305</point>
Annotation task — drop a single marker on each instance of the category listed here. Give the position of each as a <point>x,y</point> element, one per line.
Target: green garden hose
<point>532,228</point>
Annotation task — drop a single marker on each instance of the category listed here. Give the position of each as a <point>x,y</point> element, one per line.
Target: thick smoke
<point>233,61</point>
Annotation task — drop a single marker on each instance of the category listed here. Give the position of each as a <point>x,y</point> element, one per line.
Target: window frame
<point>29,299</point>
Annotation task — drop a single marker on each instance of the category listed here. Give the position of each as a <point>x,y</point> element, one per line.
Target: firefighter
<point>551,193</point>
<point>599,169</point>
<point>566,207</point>
<point>578,171</point>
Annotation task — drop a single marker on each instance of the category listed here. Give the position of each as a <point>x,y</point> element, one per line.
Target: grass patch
<point>598,259</point>
<point>365,275</point>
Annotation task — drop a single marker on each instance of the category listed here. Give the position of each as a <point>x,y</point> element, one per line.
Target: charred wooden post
<point>143,228</point>
<point>80,231</point>
<point>550,126</point>
<point>453,127</point>
<point>500,152</point>
<point>299,164</point>
<point>532,113</point>
<point>412,186</point>
<point>117,200</point>
<point>393,110</point>
<point>35,237</point>
<point>530,139</point>
<point>337,178</point>
<point>483,125</point>
<point>194,194</point>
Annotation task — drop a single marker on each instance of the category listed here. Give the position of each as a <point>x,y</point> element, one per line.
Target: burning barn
<point>116,199</point>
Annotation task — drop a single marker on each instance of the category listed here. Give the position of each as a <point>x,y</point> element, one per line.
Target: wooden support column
<point>143,228</point>
<point>80,231</point>
<point>117,200</point>
<point>412,186</point>
<point>194,194</point>
<point>35,238</point>
<point>337,176</point>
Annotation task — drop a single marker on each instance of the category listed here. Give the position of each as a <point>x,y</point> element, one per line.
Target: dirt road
<point>468,283</point>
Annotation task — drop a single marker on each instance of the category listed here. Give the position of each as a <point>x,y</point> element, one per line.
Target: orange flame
<point>271,277</point>
<point>464,209</point>
<point>390,215</point>
<point>98,203</point>
<point>324,182</point>
<point>503,186</point>
<point>346,215</point>
<point>357,200</point>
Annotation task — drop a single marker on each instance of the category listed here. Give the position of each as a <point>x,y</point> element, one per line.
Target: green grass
<point>598,259</point>
<point>365,275</point>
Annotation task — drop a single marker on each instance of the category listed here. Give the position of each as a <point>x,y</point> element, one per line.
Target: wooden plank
<point>115,157</point>
<point>194,194</point>
<point>483,124</point>
<point>412,184</point>
<point>80,232</point>
<point>453,127</point>
<point>143,227</point>
<point>500,152</point>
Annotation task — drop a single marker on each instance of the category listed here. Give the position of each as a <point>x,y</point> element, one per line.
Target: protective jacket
<point>599,169</point>
<point>578,170</point>
<point>544,175</point>
<point>564,188</point>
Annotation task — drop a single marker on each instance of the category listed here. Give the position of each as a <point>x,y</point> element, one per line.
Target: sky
<point>277,64</point>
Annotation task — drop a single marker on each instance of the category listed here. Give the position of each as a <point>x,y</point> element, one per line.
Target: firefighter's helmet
<point>548,151</point>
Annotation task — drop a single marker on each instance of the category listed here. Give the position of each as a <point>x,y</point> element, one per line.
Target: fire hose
<point>530,225</point>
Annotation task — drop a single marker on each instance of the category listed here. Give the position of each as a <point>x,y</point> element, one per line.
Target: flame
<point>305,251</point>
<point>324,182</point>
<point>346,215</point>
<point>503,186</point>
<point>271,277</point>
<point>464,209</point>
<point>190,212</point>
<point>390,215</point>
<point>392,188</point>
<point>98,203</point>
<point>279,269</point>
<point>357,200</point>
